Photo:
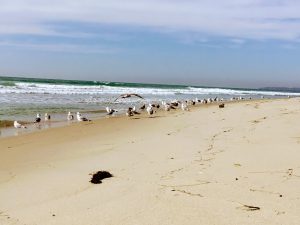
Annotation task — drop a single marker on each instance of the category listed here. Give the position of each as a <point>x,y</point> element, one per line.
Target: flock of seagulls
<point>132,111</point>
<point>47,117</point>
<point>167,106</point>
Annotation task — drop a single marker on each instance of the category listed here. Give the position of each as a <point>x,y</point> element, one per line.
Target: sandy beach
<point>237,165</point>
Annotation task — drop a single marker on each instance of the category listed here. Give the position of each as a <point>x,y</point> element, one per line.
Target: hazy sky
<point>246,43</point>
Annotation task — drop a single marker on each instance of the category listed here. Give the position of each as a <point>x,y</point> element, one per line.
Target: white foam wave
<point>34,88</point>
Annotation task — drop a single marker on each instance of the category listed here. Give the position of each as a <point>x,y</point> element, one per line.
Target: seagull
<point>184,107</point>
<point>81,118</point>
<point>154,105</point>
<point>18,125</point>
<point>204,101</point>
<point>128,96</point>
<point>143,107</point>
<point>110,111</point>
<point>70,116</point>
<point>129,112</point>
<point>47,117</point>
<point>135,111</point>
<point>167,107</point>
<point>150,110</point>
<point>38,118</point>
<point>175,103</point>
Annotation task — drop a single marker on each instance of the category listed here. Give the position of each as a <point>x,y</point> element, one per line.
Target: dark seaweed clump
<point>99,176</point>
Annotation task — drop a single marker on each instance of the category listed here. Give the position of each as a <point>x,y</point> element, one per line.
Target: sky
<point>228,43</point>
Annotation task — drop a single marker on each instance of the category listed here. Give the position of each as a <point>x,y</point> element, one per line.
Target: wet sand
<point>237,165</point>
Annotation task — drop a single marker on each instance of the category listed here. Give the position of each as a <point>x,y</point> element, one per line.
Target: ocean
<point>22,98</point>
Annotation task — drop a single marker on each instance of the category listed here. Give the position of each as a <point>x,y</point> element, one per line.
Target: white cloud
<point>236,19</point>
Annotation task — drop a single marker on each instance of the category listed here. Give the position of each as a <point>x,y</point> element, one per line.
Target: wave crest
<point>40,88</point>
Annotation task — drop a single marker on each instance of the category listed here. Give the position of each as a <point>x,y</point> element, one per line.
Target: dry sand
<point>200,167</point>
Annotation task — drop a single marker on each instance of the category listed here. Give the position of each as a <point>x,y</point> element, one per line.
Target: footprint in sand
<point>256,106</point>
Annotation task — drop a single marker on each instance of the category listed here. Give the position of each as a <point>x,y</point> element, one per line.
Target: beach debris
<point>128,96</point>
<point>250,208</point>
<point>221,105</point>
<point>99,176</point>
<point>187,192</point>
<point>237,165</point>
<point>290,172</point>
<point>266,191</point>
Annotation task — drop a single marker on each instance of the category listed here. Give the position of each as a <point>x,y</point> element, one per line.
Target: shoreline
<point>204,166</point>
<point>9,131</point>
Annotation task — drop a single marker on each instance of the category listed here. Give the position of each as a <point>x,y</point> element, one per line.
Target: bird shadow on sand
<point>153,117</point>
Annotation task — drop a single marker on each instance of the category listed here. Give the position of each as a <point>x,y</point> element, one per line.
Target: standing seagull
<point>129,112</point>
<point>47,117</point>
<point>167,107</point>
<point>150,110</point>
<point>70,116</point>
<point>184,107</point>
<point>38,118</point>
<point>110,111</point>
<point>135,111</point>
<point>128,96</point>
<point>81,118</point>
<point>18,125</point>
<point>143,107</point>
